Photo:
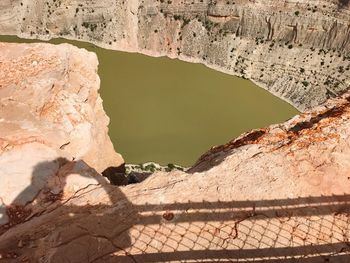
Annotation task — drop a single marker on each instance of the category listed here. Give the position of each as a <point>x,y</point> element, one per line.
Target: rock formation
<point>298,50</point>
<point>278,194</point>
<point>49,108</point>
<point>49,97</point>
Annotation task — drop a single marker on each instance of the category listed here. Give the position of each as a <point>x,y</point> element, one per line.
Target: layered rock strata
<point>298,50</point>
<point>278,194</point>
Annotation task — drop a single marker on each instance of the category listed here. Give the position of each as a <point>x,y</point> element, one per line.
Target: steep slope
<point>49,108</point>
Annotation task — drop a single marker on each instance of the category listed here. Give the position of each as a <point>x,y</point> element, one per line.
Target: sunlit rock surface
<point>298,50</point>
<point>49,97</point>
<point>49,109</point>
<point>278,194</point>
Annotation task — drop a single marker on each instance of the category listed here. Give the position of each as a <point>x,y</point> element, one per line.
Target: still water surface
<point>169,111</point>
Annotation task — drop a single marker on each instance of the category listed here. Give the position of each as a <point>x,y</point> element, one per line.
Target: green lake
<point>169,111</point>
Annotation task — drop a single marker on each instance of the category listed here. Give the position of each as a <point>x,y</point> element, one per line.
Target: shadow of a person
<point>68,212</point>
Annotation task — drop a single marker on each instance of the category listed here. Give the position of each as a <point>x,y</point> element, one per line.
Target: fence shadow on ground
<point>307,229</point>
<point>311,229</point>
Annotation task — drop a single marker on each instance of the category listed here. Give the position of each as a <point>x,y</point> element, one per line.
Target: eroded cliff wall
<point>298,50</point>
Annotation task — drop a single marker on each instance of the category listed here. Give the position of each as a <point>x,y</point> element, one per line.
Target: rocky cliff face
<point>49,109</point>
<point>298,50</point>
<point>278,194</point>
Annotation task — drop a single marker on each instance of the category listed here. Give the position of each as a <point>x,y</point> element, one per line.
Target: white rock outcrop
<point>49,109</point>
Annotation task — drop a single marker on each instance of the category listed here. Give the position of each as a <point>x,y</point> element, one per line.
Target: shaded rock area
<point>278,194</point>
<point>116,175</point>
<point>298,50</point>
